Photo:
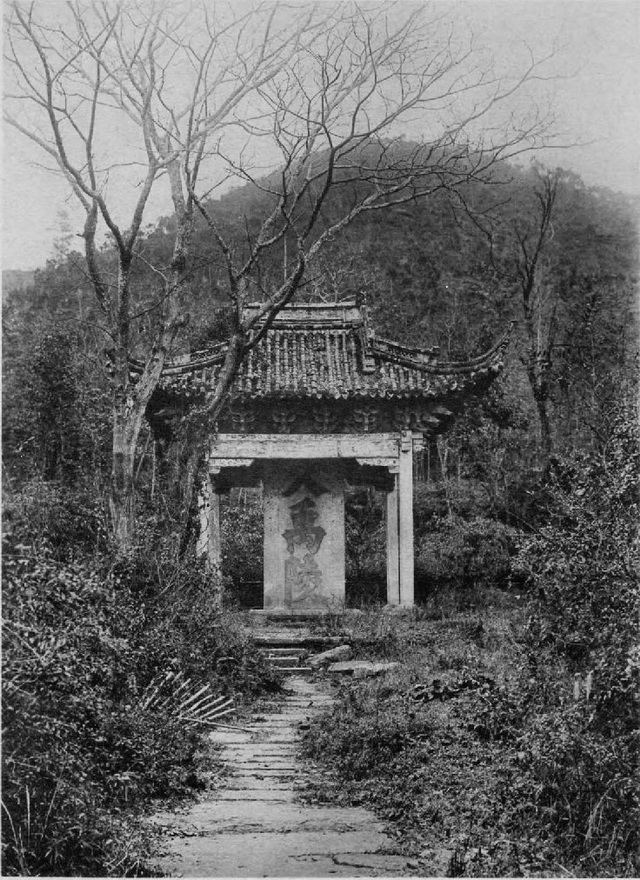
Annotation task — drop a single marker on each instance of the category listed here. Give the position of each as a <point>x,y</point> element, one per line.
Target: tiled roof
<point>328,352</point>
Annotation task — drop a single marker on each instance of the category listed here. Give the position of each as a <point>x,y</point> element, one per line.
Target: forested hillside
<point>533,491</point>
<point>530,248</point>
<point>535,247</point>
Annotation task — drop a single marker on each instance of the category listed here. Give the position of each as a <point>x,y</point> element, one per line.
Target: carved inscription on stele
<point>302,574</point>
<point>303,533</point>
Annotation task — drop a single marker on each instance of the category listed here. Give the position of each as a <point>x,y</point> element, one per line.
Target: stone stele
<point>303,538</point>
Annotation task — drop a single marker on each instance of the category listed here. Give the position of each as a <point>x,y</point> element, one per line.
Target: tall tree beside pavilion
<point>202,95</point>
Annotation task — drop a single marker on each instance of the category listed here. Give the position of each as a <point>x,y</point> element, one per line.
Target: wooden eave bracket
<point>391,463</point>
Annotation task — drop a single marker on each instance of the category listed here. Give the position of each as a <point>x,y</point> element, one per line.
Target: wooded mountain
<point>448,272</point>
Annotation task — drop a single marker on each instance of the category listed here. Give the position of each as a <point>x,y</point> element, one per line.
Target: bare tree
<point>523,253</point>
<point>198,91</point>
<point>76,79</point>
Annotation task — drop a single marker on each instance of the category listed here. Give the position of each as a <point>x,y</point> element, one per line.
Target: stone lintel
<point>234,450</point>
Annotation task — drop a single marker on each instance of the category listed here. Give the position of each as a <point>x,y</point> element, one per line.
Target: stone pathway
<point>255,826</point>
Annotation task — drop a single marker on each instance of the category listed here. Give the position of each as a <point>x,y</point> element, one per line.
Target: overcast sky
<point>596,101</point>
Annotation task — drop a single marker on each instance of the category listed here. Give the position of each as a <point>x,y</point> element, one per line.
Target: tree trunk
<point>546,440</point>
<point>131,398</point>
<point>122,500</point>
<point>189,500</point>
<point>538,371</point>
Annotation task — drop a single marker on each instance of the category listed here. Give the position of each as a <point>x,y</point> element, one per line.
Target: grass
<point>446,774</point>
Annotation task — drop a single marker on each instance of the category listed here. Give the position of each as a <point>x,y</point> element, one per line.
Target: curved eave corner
<point>475,370</point>
<point>423,360</point>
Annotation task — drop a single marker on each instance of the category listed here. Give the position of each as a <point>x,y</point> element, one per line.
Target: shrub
<point>242,533</point>
<point>375,746</point>
<point>66,521</point>
<point>584,788</point>
<point>171,607</point>
<point>465,553</point>
<point>583,569</point>
<point>367,731</point>
<point>410,762</point>
<point>83,755</point>
<point>65,680</point>
<point>365,548</point>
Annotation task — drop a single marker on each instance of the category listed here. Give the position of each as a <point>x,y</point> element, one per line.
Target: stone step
<point>298,670</point>
<point>266,640</point>
<point>281,661</point>
<point>292,618</point>
<point>287,659</point>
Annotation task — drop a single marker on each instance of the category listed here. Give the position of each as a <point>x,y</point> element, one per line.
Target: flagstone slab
<point>361,668</point>
<point>373,861</point>
<point>267,760</point>
<point>273,854</point>
<point>261,749</point>
<point>242,771</point>
<point>249,784</point>
<point>221,818</point>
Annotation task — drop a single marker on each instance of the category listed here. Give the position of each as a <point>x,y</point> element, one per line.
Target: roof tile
<point>323,352</point>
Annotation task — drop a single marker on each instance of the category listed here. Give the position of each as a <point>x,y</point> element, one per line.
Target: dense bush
<point>373,744</point>
<point>366,731</point>
<point>580,749</point>
<point>83,752</point>
<point>66,521</point>
<point>465,553</point>
<point>583,785</point>
<point>584,566</point>
<point>457,545</point>
<point>242,533</point>
<point>172,610</point>
<point>70,766</point>
<point>55,401</point>
<point>412,762</point>
<point>365,548</point>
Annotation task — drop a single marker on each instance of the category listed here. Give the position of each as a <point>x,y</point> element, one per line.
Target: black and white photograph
<point>320,438</point>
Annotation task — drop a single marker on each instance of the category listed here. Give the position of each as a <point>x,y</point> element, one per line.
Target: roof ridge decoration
<point>366,335</point>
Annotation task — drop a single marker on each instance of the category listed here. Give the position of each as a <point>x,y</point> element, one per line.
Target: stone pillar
<point>303,536</point>
<point>209,541</point>
<point>273,596</point>
<point>393,558</point>
<point>405,518</point>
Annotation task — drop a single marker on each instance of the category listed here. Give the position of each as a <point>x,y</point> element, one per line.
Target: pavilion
<point>322,401</point>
